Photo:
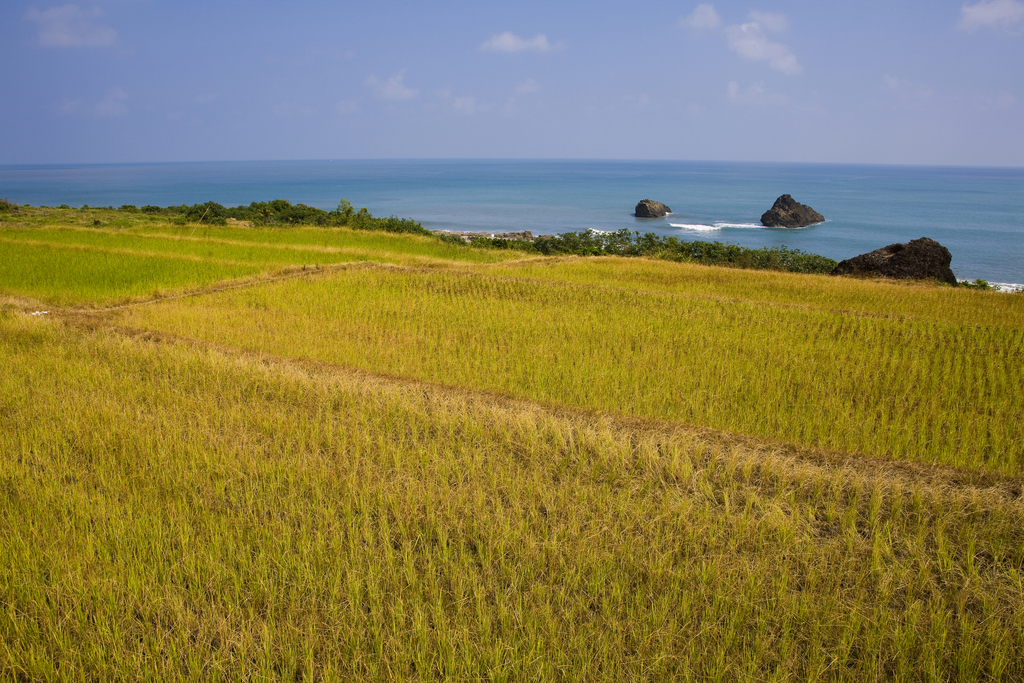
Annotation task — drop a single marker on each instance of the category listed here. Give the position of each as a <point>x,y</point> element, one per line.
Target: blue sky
<point>897,82</point>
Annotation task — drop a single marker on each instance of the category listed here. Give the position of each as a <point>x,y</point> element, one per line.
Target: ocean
<point>977,213</point>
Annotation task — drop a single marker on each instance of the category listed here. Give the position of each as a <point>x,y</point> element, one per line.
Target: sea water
<point>977,213</point>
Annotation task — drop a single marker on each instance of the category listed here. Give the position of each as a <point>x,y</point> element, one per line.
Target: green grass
<point>61,276</point>
<point>930,390</point>
<point>171,512</point>
<point>62,265</point>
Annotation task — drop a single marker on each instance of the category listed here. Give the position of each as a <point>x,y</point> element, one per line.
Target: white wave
<point>714,226</point>
<point>687,226</point>
<point>1008,286</point>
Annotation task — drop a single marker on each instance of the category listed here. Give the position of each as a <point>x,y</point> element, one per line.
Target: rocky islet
<point>648,208</point>
<point>789,213</point>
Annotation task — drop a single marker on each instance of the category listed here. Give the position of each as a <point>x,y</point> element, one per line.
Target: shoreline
<point>469,235</point>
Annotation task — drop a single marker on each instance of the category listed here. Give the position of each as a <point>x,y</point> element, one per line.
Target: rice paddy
<point>423,467</point>
<point>78,259</point>
<point>927,390</point>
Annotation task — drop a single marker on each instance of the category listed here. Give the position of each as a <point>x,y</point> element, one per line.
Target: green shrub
<point>500,243</point>
<point>977,284</point>
<point>626,243</point>
<point>452,239</point>
<point>281,212</point>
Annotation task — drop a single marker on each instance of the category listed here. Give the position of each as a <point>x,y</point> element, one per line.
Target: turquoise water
<point>977,213</point>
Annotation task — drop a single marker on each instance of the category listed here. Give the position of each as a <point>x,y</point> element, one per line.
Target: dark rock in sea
<point>651,209</point>
<point>915,260</point>
<point>787,213</point>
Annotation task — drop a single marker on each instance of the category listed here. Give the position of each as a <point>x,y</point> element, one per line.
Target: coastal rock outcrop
<point>916,260</point>
<point>525,235</point>
<point>651,209</point>
<point>788,213</point>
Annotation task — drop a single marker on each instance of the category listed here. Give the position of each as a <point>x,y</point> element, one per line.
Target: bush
<point>7,206</point>
<point>207,211</point>
<point>453,239</point>
<point>500,243</point>
<point>977,284</point>
<point>626,243</point>
<point>281,212</point>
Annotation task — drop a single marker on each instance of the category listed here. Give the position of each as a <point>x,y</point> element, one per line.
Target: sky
<point>928,82</point>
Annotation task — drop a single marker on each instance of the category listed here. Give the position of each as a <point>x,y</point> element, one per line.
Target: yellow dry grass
<point>553,469</point>
<point>174,511</point>
<point>930,388</point>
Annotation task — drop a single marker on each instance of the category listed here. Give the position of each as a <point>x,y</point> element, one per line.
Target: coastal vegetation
<point>631,243</point>
<point>281,213</point>
<point>309,453</point>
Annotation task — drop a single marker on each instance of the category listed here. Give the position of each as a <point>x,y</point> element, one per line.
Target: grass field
<point>430,465</point>
<point>100,256</point>
<point>928,390</point>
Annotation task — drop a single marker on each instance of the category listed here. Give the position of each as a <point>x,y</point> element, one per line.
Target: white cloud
<point>393,89</point>
<point>991,13</point>
<point>770,20</point>
<point>71,26</point>
<point>703,16</point>
<point>754,94</point>
<point>113,104</point>
<point>749,41</point>
<point>510,42</point>
<point>527,86</point>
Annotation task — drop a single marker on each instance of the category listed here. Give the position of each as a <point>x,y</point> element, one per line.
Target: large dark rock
<point>915,260</point>
<point>650,209</point>
<point>788,213</point>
